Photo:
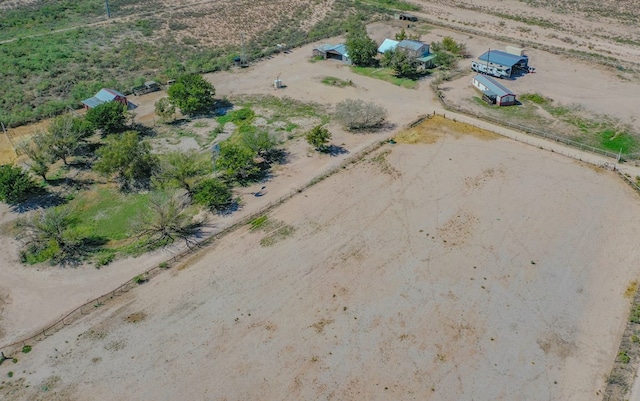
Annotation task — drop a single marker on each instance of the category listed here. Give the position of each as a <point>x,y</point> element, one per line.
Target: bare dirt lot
<point>469,268</point>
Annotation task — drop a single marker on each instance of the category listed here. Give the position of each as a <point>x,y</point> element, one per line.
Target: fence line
<point>530,130</point>
<point>95,303</point>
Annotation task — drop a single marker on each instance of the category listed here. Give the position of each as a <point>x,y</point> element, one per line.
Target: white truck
<point>489,69</point>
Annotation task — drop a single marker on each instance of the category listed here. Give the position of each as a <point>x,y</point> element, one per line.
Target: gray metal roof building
<point>494,90</point>
<point>505,59</point>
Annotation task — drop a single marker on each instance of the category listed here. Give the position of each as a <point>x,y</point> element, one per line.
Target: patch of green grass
<point>107,213</point>
<point>333,81</point>
<point>624,357</point>
<point>618,141</point>
<point>534,97</point>
<point>239,117</point>
<point>258,222</point>
<point>277,235</point>
<point>385,74</point>
<point>634,317</point>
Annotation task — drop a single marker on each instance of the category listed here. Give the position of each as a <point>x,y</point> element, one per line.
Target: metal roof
<point>411,44</point>
<point>104,95</point>
<point>493,86</point>
<point>342,49</point>
<point>387,44</point>
<point>339,48</point>
<point>108,95</point>
<point>426,58</point>
<point>503,58</point>
<point>92,102</point>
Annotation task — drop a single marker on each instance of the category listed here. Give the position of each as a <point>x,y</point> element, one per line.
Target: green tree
<point>37,149</point>
<point>318,137</point>
<point>400,62</point>
<point>66,135</point>
<point>110,117</point>
<point>165,221</point>
<point>165,109</point>
<point>183,169</point>
<point>15,184</point>
<point>127,158</point>
<point>261,143</point>
<point>212,193</point>
<point>192,93</point>
<point>453,47</point>
<point>237,161</point>
<point>361,48</point>
<point>48,235</point>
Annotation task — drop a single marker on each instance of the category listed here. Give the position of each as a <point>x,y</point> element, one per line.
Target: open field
<point>451,275</point>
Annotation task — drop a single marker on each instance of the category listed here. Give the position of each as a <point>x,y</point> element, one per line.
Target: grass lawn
<point>385,74</point>
<point>105,212</point>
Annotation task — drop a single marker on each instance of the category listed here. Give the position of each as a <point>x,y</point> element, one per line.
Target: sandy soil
<point>451,275</point>
<point>499,206</point>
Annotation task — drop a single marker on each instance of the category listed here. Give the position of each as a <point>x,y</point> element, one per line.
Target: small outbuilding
<point>105,95</point>
<point>504,60</point>
<point>493,92</point>
<point>335,52</point>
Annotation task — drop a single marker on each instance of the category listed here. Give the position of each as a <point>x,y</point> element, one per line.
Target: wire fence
<point>532,131</point>
<point>49,329</point>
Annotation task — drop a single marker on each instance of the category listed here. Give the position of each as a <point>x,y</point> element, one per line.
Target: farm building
<point>506,61</point>
<point>493,92</point>
<point>415,48</point>
<point>387,44</point>
<point>335,52</point>
<point>104,96</point>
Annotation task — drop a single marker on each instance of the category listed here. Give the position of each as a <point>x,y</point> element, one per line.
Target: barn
<point>494,92</point>
<point>105,95</point>
<point>335,52</point>
<point>507,61</point>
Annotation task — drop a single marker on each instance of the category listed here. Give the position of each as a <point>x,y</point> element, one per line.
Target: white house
<point>494,91</point>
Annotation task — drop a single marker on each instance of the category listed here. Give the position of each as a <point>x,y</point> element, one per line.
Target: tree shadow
<point>71,183</point>
<point>41,200</point>
<point>335,150</point>
<point>78,252</point>
<point>229,208</point>
<point>222,106</point>
<point>277,155</point>
<point>143,130</point>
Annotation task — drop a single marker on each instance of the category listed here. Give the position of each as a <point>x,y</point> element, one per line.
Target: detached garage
<point>335,52</point>
<point>493,92</point>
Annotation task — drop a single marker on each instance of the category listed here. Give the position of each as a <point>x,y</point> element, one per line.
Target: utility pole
<point>106,3</point>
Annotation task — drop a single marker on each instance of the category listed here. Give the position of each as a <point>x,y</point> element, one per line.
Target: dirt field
<point>451,275</point>
<point>539,317</point>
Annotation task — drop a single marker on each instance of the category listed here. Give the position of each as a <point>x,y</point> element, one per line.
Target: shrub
<point>357,114</point>
<point>624,357</point>
<point>26,349</point>
<point>318,137</point>
<point>212,193</point>
<point>139,279</point>
<point>15,184</point>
